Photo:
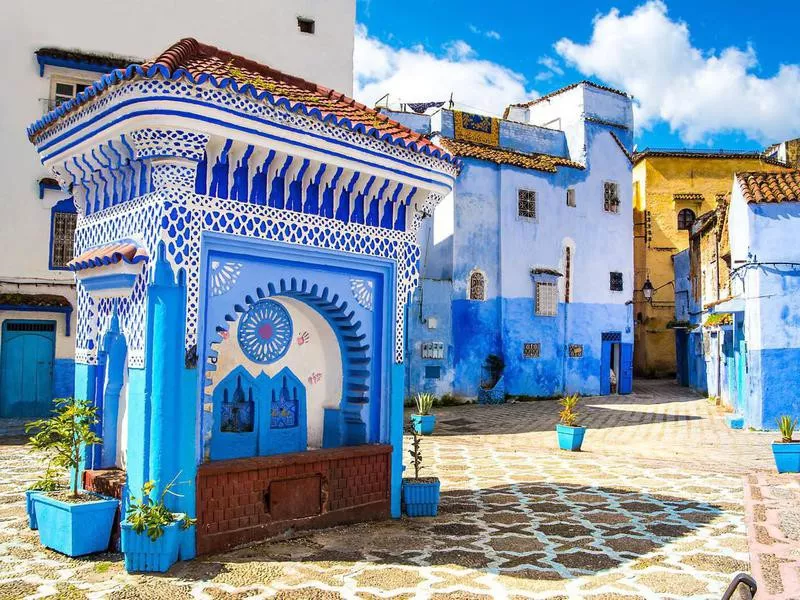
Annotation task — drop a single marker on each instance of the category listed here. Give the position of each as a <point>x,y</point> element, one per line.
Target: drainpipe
<point>565,349</point>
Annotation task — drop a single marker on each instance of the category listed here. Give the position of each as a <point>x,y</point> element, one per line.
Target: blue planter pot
<point>75,529</point>
<point>787,456</point>
<point>421,498</point>
<point>424,424</point>
<point>570,438</point>
<point>143,554</point>
<point>29,508</point>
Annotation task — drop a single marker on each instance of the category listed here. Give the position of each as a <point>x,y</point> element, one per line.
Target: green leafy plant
<point>424,402</point>
<point>152,516</point>
<point>568,414</point>
<point>415,452</point>
<point>787,427</point>
<point>64,435</point>
<point>49,482</point>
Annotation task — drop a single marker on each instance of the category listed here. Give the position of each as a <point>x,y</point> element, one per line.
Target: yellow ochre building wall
<point>662,186</point>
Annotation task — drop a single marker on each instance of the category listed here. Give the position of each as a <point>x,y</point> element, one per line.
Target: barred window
<point>611,197</point>
<point>685,219</point>
<point>576,350</point>
<point>546,299</point>
<point>531,350</point>
<point>477,286</point>
<point>526,204</point>
<point>567,274</point>
<point>62,251</point>
<point>571,197</point>
<point>616,281</point>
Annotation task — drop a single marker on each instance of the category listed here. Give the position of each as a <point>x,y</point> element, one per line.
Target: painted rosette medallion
<point>265,332</point>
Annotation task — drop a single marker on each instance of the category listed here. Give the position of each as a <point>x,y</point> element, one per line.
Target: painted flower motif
<point>223,276</point>
<point>363,292</point>
<point>265,332</point>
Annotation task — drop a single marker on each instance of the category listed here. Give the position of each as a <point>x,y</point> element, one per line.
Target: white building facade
<point>49,59</point>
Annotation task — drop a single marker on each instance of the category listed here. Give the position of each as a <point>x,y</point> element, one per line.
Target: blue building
<point>690,359</point>
<point>245,251</point>
<point>528,265</point>
<point>758,356</point>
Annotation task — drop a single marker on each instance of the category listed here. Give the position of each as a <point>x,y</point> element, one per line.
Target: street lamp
<point>647,290</point>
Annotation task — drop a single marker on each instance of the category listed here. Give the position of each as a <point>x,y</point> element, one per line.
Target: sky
<point>702,73</point>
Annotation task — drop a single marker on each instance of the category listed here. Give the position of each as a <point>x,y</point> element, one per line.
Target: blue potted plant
<point>423,421</point>
<point>570,434</point>
<point>420,494</point>
<point>787,451</point>
<point>46,483</point>
<point>74,522</point>
<point>150,536</point>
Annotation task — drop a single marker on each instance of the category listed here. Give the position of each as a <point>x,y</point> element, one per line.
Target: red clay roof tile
<point>759,186</point>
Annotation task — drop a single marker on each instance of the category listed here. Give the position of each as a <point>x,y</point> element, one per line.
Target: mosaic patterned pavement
<point>635,516</point>
<point>772,513</point>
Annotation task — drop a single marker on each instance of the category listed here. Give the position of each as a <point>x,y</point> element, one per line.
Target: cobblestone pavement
<point>772,504</point>
<point>652,509</point>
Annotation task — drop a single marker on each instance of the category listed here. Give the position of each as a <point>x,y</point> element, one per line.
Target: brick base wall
<point>111,483</point>
<point>246,500</point>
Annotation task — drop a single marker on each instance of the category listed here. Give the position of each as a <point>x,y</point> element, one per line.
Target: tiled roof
<point>688,197</point>
<point>692,153</point>
<point>43,300</point>
<point>500,156</point>
<point>761,186</point>
<point>201,63</point>
<point>127,252</point>
<point>112,61</point>
<point>566,88</point>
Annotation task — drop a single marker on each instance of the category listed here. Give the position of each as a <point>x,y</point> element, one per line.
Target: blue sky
<point>703,74</point>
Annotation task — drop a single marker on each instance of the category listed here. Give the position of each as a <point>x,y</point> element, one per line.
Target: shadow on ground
<point>541,531</point>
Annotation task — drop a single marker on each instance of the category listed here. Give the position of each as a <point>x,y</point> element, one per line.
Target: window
<point>477,286</point>
<point>306,25</point>
<point>66,90</point>
<point>62,233</point>
<point>616,281</point>
<point>546,299</point>
<point>576,350</point>
<point>526,204</point>
<point>611,197</point>
<point>567,273</point>
<point>571,197</point>
<point>685,219</point>
<point>531,350</point>
<point>433,372</point>
<point>433,350</point>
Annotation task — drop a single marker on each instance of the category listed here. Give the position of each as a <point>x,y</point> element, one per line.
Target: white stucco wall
<point>265,30</point>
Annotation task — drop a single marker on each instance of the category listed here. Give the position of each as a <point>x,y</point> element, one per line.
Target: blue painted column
<point>396,434</point>
<point>164,359</point>
<point>85,385</point>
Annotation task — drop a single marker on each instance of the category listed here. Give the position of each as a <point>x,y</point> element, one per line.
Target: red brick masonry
<point>250,499</point>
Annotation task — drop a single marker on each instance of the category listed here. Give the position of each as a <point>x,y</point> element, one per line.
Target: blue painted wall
<point>480,230</point>
<point>765,341</point>
<point>63,378</point>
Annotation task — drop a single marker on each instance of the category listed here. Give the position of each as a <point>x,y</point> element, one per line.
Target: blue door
<point>625,368</point>
<point>682,356</point>
<point>26,368</point>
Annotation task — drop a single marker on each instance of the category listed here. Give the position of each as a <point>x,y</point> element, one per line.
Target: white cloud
<point>697,93</point>
<point>416,74</point>
<point>551,64</point>
<point>491,33</point>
